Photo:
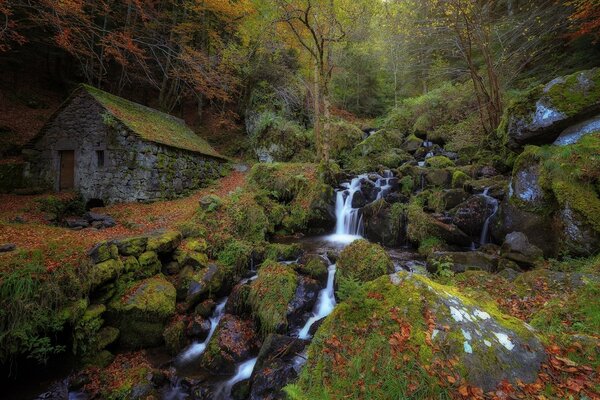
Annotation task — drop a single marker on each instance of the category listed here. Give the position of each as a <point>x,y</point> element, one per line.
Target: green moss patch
<point>270,294</point>
<point>364,261</point>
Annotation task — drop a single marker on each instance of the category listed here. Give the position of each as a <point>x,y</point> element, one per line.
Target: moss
<point>105,272</point>
<point>407,185</point>
<point>103,251</point>
<point>353,351</point>
<point>459,179</point>
<point>132,246</point>
<point>141,309</point>
<point>282,252</point>
<point>383,148</point>
<point>430,245</point>
<point>270,294</point>
<point>152,125</point>
<point>149,264</point>
<point>164,243</point>
<point>364,261</point>
<point>571,97</point>
<point>439,162</point>
<point>174,336</point>
<point>315,267</point>
<point>236,254</point>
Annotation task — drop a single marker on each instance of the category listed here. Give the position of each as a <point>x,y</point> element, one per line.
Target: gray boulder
<point>516,247</point>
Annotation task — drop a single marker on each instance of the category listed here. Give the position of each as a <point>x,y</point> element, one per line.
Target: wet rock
<point>205,308</point>
<point>234,341</point>
<point>5,248</point>
<point>277,365</point>
<point>470,216</point>
<point>463,261</point>
<point>321,211</point>
<point>381,226</point>
<point>358,200</point>
<point>412,144</point>
<point>174,336</point>
<point>526,187</point>
<point>303,302</point>
<point>198,327</point>
<point>516,247</point>
<point>212,280</point>
<point>237,302</point>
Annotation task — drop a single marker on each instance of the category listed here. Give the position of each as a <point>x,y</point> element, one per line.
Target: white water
<point>486,225</point>
<point>196,349</point>
<point>325,304</point>
<point>243,372</point>
<point>349,222</point>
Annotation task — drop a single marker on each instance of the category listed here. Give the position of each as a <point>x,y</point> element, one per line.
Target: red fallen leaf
<point>451,379</point>
<point>574,386</point>
<point>463,391</point>
<point>476,391</point>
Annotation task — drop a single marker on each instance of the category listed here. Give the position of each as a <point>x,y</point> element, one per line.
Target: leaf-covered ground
<point>33,232</point>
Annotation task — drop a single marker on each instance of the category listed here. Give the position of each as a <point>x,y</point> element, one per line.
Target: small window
<point>100,158</point>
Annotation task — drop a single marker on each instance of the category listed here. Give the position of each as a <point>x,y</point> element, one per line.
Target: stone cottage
<point>113,150</point>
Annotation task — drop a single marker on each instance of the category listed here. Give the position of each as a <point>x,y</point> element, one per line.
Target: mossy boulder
<point>344,136</point>
<point>174,336</point>
<point>516,247</point>
<point>412,144</point>
<point>438,177</point>
<point>364,261</point>
<point>164,243</point>
<point>132,246</point>
<point>211,281</point>
<point>381,149</point>
<point>545,111</point>
<point>235,340</point>
<point>149,264</point>
<point>103,251</point>
<point>185,257</point>
<point>459,178</point>
<point>237,254</point>
<point>105,272</point>
<point>407,324</point>
<point>439,162</point>
<point>270,295</point>
<point>141,311</point>
<point>384,223</point>
<point>282,252</point>
<point>314,266</point>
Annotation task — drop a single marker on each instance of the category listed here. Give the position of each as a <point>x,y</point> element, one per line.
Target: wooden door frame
<point>60,156</point>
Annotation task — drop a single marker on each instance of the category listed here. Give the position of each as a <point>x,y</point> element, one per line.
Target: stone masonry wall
<point>134,170</point>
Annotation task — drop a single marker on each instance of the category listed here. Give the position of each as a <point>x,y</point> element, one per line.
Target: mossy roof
<point>152,125</point>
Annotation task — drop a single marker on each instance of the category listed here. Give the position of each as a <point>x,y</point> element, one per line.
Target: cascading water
<point>196,349</point>
<point>349,222</point>
<point>243,372</point>
<point>325,304</point>
<point>486,225</point>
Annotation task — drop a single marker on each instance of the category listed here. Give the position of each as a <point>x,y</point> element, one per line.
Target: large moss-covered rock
<point>141,310</point>
<point>164,243</point>
<point>235,340</point>
<point>132,246</point>
<point>213,280</point>
<point>103,251</point>
<point>409,324</point>
<point>105,272</point>
<point>149,264</point>
<point>364,261</point>
<point>542,113</point>
<point>381,149</point>
<point>270,295</point>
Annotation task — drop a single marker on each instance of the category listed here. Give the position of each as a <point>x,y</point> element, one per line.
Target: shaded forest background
<point>237,67</point>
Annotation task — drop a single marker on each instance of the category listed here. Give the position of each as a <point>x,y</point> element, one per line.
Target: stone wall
<point>133,170</point>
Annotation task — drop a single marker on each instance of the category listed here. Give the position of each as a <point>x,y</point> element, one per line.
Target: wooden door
<point>67,170</point>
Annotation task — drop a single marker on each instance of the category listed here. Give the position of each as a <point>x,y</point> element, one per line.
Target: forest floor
<point>32,231</point>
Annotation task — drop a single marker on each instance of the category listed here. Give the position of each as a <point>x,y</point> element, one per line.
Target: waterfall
<point>325,304</point>
<point>243,372</point>
<point>486,225</point>
<point>348,219</point>
<point>196,349</point>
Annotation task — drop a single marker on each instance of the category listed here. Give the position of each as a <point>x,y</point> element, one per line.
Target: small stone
<point>5,248</point>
